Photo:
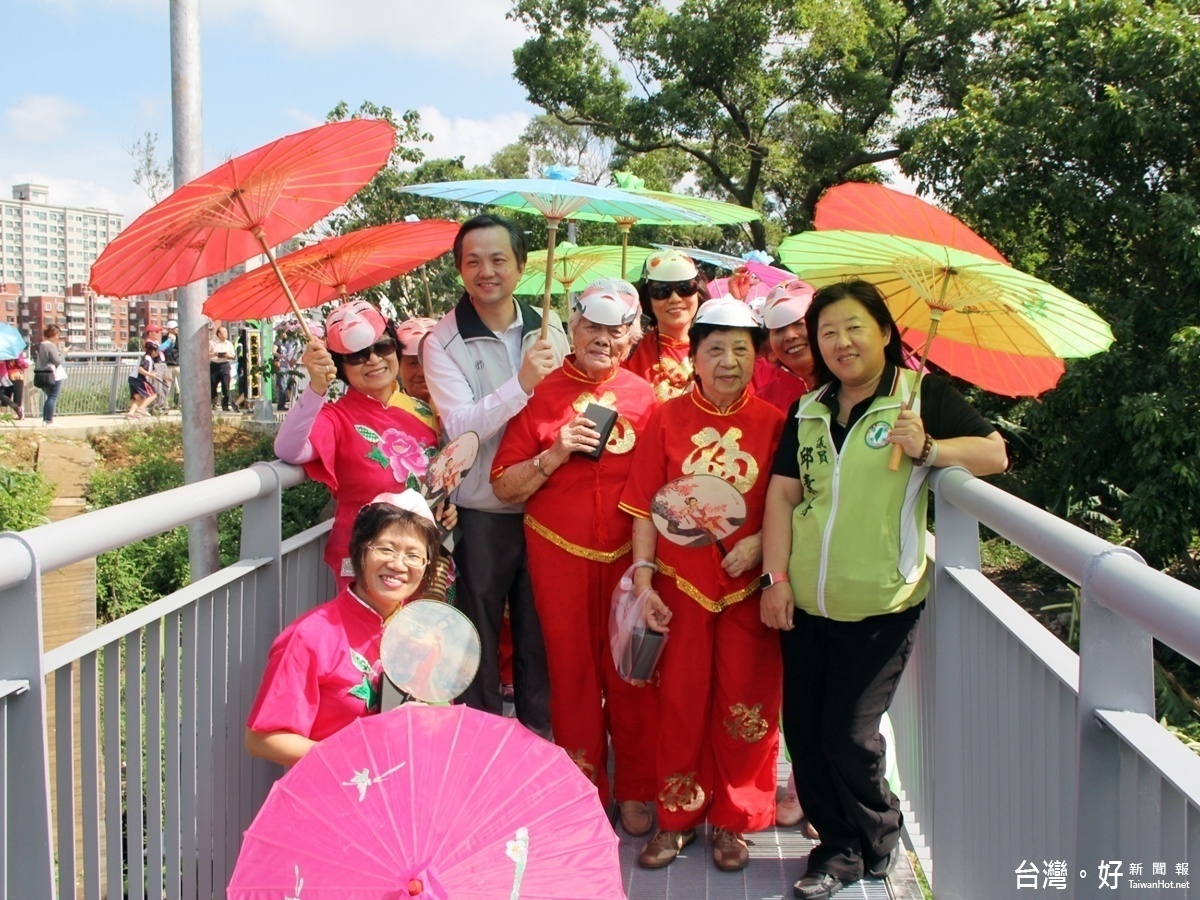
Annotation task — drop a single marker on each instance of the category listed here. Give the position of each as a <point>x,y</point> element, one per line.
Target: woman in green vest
<point>844,558</point>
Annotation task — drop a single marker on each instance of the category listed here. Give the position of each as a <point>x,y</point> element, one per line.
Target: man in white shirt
<point>482,362</point>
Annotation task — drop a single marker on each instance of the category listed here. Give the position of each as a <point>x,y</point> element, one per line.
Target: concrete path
<point>85,426</point>
<point>778,857</point>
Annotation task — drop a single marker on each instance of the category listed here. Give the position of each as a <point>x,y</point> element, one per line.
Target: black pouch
<point>646,650</point>
<point>605,419</point>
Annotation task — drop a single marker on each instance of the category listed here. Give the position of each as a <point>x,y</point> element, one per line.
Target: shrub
<point>141,463</point>
<point>25,497</point>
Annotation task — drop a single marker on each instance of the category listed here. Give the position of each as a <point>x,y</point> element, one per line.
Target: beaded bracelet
<point>924,459</point>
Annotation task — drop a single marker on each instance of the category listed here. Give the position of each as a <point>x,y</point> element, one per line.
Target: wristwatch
<point>537,464</point>
<point>769,579</point>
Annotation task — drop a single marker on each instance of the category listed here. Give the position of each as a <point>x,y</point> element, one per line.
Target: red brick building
<point>10,310</point>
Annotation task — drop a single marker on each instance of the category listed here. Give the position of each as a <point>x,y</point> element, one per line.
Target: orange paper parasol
<point>874,208</point>
<point>333,269</point>
<point>243,207</point>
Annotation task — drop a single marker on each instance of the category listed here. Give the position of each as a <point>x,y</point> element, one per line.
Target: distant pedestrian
<point>161,401</point>
<point>49,370</point>
<point>287,365</point>
<point>169,348</point>
<point>220,359</point>
<point>142,391</point>
<point>12,384</point>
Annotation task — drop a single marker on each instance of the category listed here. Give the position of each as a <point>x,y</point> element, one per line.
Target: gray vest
<point>483,359</point>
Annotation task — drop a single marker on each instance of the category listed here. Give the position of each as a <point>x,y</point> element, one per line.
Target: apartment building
<point>45,248</point>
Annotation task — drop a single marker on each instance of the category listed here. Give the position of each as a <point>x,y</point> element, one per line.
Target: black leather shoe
<point>818,886</point>
<point>882,868</point>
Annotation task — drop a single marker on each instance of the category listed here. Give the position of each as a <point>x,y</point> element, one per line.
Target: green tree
<point>149,174</point>
<point>380,202</point>
<point>1075,151</point>
<point>772,101</point>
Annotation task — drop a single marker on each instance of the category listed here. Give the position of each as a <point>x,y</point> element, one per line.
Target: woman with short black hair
<point>323,670</point>
<point>844,560</point>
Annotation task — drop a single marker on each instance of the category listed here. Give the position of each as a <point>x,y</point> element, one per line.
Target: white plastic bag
<point>635,648</point>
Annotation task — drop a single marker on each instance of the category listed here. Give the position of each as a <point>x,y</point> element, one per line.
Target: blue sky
<point>83,79</point>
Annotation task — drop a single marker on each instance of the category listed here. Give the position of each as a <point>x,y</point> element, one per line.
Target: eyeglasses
<point>386,347</point>
<point>661,290</point>
<point>389,554</point>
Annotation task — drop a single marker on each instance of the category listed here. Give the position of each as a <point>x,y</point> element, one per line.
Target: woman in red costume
<point>361,445</point>
<point>783,316</point>
<point>578,542</point>
<point>671,290</point>
<point>720,675</point>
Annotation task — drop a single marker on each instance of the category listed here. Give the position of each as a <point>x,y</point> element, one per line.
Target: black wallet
<point>605,419</point>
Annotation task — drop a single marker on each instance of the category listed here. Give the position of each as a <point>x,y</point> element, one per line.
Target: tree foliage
<point>380,202</point>
<point>149,174</point>
<point>1075,151</point>
<point>772,101</point>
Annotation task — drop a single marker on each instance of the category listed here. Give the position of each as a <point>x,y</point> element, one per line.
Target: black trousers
<point>490,557</point>
<point>218,376</point>
<point>838,681</point>
<point>13,395</point>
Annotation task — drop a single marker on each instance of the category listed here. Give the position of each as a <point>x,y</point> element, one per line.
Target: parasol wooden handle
<point>428,295</point>
<point>897,452</point>
<point>935,319</point>
<point>262,241</point>
<point>552,236</point>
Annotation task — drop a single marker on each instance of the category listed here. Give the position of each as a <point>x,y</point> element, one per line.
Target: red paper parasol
<point>243,207</point>
<point>874,208</point>
<point>856,206</point>
<point>430,802</point>
<point>333,268</point>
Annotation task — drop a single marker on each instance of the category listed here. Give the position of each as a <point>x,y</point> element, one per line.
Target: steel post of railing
<point>114,386</point>
<point>947,825</point>
<point>28,838</point>
<point>262,537</point>
<point>1116,672</point>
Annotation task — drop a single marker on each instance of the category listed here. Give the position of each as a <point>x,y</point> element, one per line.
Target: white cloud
<point>474,139</point>
<point>473,33</point>
<point>42,118</point>
<point>82,193</point>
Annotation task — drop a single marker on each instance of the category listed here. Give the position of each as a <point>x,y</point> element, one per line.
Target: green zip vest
<point>858,534</point>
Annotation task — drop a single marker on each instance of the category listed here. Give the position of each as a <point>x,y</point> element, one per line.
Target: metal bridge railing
<point>1013,751</point>
<point>142,763</point>
<point>1017,754</point>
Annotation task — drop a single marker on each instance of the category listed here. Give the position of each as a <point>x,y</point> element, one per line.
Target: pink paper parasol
<point>763,278</point>
<point>430,802</point>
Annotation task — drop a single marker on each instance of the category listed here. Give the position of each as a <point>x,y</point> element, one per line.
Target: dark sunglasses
<point>386,347</point>
<point>661,290</point>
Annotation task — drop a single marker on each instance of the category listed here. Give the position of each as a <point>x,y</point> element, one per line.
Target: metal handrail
<point>60,544</point>
<point>1167,609</point>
